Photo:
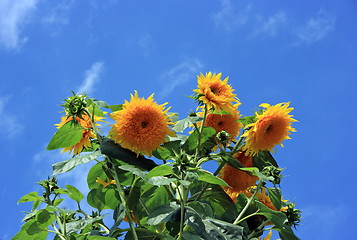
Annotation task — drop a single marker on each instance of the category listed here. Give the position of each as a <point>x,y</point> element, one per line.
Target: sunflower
<point>215,93</point>
<point>272,127</point>
<point>237,179</point>
<point>141,125</point>
<point>87,133</point>
<point>223,122</point>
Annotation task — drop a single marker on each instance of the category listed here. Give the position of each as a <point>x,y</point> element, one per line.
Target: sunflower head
<point>215,93</point>
<point>272,127</point>
<point>237,179</point>
<point>223,121</point>
<point>141,125</point>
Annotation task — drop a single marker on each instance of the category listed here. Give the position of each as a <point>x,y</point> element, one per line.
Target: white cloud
<point>9,124</point>
<point>58,16</point>
<point>92,77</point>
<point>320,220</point>
<point>179,75</point>
<point>316,28</point>
<point>270,25</point>
<point>14,15</point>
<point>229,18</point>
<point>146,44</point>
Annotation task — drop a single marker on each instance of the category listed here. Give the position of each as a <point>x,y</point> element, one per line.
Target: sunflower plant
<point>148,181</point>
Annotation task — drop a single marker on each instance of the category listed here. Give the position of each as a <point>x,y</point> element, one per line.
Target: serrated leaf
<point>32,196</point>
<point>160,180</point>
<point>80,224</point>
<point>206,176</point>
<point>276,217</point>
<point>69,164</point>
<point>162,214</point>
<point>181,125</point>
<point>67,135</point>
<point>275,197</point>
<point>74,193</point>
<point>160,170</point>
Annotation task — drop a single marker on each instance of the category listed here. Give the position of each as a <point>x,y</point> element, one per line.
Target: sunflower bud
<point>74,105</point>
<point>222,137</point>
<point>293,215</point>
<point>274,172</point>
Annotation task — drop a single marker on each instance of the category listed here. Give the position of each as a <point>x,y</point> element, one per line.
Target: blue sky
<point>304,52</point>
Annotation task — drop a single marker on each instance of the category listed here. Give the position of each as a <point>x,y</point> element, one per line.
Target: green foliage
<point>172,200</point>
<point>67,135</point>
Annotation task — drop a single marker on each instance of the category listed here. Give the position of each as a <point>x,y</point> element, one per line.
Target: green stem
<point>237,146</point>
<point>250,200</point>
<point>200,132</point>
<point>183,198</point>
<point>246,217</point>
<point>122,199</point>
<point>261,226</point>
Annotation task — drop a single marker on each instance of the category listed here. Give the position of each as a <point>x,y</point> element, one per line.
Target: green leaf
<point>96,198</point>
<point>159,180</point>
<point>111,149</point>
<point>31,230</point>
<point>69,164</point>
<point>191,236</point>
<point>255,172</point>
<point>162,213</point>
<point>76,226</point>
<point>74,193</point>
<point>67,135</point>
<point>206,142</point>
<point>99,238</point>
<point>155,196</point>
<point>202,208</point>
<point>231,161</point>
<point>114,108</point>
<point>206,176</point>
<point>275,197</point>
<point>276,217</point>
<point>181,125</point>
<point>247,120</point>
<point>32,196</point>
<point>134,170</point>
<point>45,218</point>
<point>111,198</point>
<point>223,230</point>
<point>167,150</point>
<point>160,170</point>
<point>264,159</point>
<point>94,107</point>
<point>286,233</point>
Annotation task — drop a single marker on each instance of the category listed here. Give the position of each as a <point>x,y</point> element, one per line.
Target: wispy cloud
<point>146,43</point>
<point>92,77</point>
<point>229,17</point>
<point>270,25</point>
<point>179,75</point>
<point>321,219</point>
<point>316,28</point>
<point>58,16</point>
<point>10,127</point>
<point>14,16</point>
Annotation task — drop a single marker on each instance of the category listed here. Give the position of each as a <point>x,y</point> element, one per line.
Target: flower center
<point>213,90</point>
<point>269,129</point>
<point>220,123</point>
<point>144,124</point>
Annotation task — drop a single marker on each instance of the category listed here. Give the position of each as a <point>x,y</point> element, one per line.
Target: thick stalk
<point>200,132</point>
<point>122,199</point>
<point>250,200</point>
